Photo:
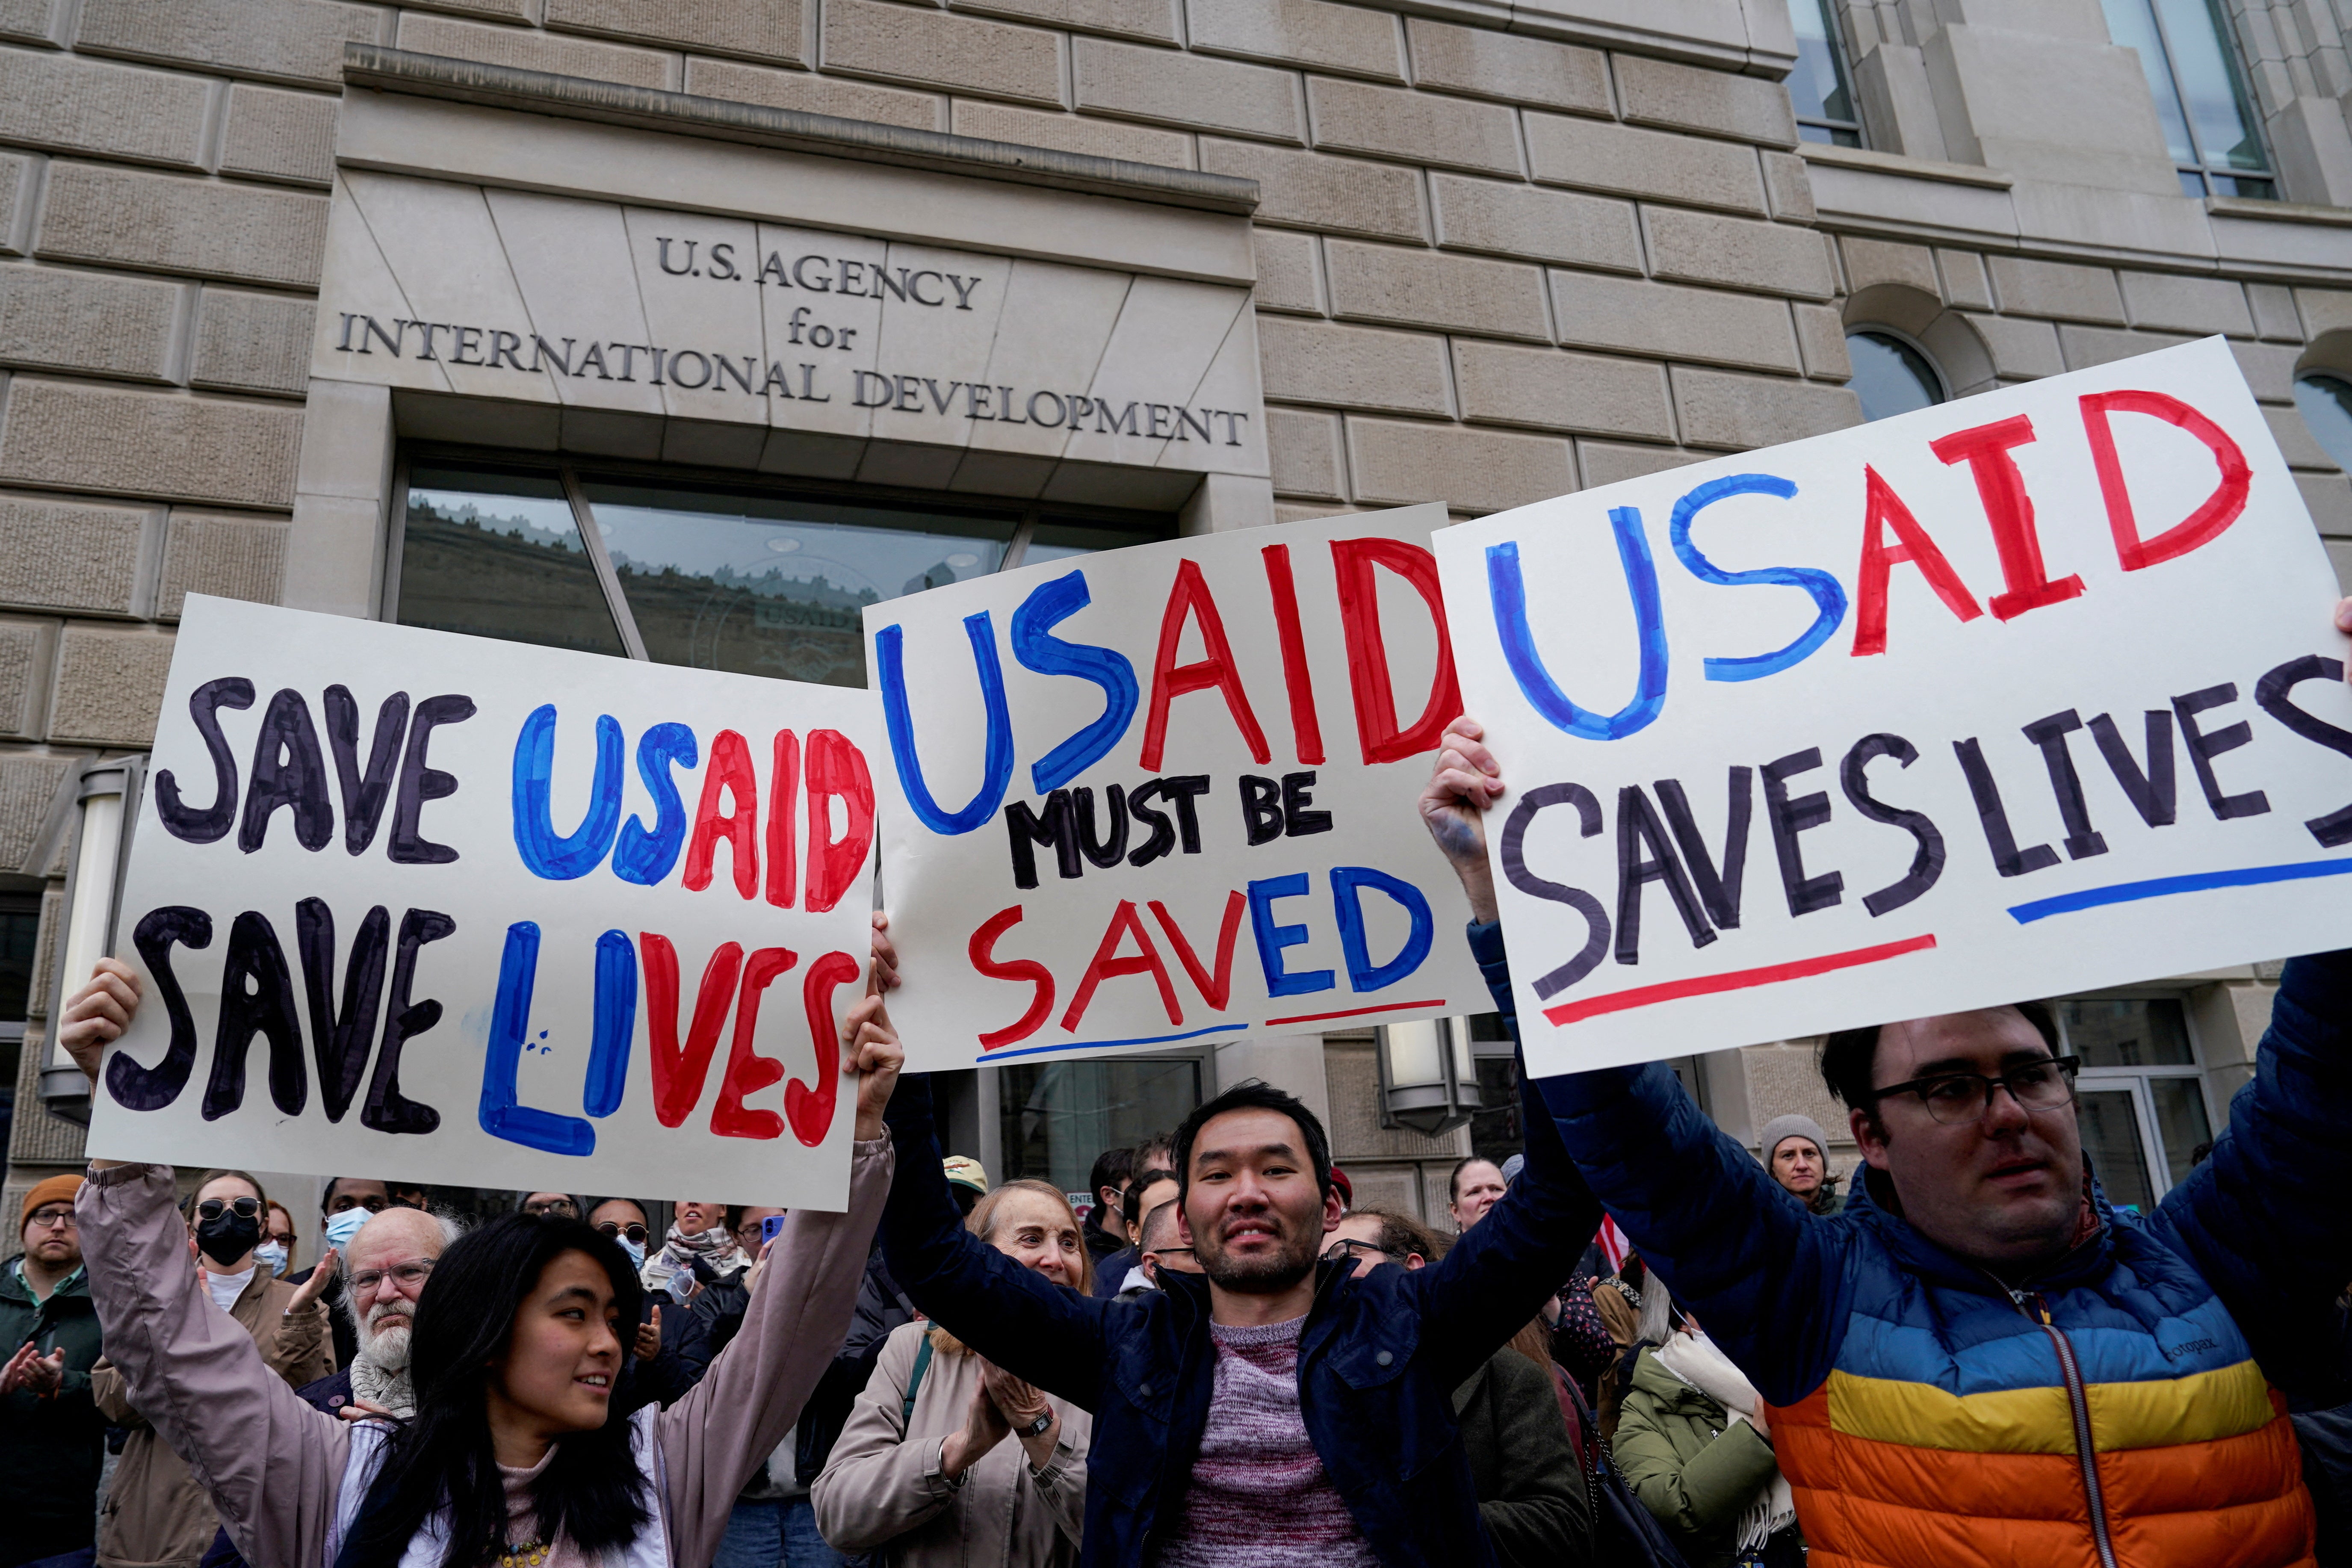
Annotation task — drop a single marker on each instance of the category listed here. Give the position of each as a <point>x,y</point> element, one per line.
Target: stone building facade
<point>1483,252</point>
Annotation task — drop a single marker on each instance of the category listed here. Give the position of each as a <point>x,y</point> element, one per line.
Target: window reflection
<point>1890,376</point>
<point>774,586</point>
<point>494,553</point>
<point>1055,1117</point>
<point>2111,1138</point>
<point>1824,102</point>
<point>2200,96</point>
<point>2128,1032</point>
<point>2325,404</point>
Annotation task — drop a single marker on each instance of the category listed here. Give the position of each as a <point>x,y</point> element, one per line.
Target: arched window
<point>2326,404</point>
<point>1891,375</point>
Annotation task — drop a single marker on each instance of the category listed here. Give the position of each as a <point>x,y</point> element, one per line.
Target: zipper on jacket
<point>2075,1395</point>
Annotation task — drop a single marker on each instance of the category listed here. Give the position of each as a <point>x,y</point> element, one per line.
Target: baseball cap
<point>963,1170</point>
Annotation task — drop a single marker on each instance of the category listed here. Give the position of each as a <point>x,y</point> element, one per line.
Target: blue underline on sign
<point>2164,887</point>
<point>1107,1045</point>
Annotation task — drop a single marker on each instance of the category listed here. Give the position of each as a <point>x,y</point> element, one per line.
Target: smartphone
<point>771,1227</point>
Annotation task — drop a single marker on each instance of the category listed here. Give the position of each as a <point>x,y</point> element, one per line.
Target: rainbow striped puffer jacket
<point>2125,1409</point>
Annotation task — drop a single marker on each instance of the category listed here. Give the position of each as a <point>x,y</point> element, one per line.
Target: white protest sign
<point>454,911</point>
<point>2026,694</point>
<point>1166,794</point>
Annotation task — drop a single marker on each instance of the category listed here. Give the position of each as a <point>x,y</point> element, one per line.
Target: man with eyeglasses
<point>52,1438</point>
<point>1980,1360</point>
<point>384,1271</point>
<point>561,1205</point>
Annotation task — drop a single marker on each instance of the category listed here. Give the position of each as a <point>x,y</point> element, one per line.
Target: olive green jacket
<point>1674,1450</point>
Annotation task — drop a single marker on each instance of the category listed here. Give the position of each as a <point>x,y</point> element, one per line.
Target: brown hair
<point>209,1177</point>
<point>981,1223</point>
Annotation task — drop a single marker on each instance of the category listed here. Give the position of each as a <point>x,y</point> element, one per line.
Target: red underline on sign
<point>1737,980</point>
<point>1353,1012</point>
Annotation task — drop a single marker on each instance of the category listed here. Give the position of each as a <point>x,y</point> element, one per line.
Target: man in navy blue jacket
<point>1275,1408</point>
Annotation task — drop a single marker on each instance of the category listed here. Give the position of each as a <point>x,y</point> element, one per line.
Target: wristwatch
<point>1036,1428</point>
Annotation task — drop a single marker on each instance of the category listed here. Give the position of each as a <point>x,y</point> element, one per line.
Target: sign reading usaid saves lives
<point>488,914</point>
<point>1166,794</point>
<point>2020,695</point>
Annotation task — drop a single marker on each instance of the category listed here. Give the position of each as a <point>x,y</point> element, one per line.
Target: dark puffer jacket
<point>50,1449</point>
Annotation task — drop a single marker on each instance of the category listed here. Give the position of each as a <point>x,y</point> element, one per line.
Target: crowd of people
<point>1642,1342</point>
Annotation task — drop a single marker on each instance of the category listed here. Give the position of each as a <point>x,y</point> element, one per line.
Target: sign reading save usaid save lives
<point>435,907</point>
<point>1166,794</point>
<point>2026,694</point>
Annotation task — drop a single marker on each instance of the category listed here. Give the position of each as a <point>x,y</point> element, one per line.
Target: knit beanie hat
<point>56,1189</point>
<point>1781,1127</point>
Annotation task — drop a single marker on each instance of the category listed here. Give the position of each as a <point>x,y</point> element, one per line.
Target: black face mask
<point>229,1237</point>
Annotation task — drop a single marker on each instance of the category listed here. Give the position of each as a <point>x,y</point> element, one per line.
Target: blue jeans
<point>780,1534</point>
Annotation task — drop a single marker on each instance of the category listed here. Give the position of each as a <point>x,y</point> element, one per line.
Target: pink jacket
<point>275,1467</point>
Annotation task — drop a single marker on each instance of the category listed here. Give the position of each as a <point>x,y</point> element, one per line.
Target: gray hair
<point>453,1225</point>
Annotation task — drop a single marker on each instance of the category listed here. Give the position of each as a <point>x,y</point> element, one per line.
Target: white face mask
<point>271,1255</point>
<point>344,1223</point>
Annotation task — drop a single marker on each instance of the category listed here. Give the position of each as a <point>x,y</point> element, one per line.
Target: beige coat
<point>156,1513</point>
<point>882,1491</point>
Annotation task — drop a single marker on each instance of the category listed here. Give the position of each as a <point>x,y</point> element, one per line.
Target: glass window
<point>772,585</point>
<point>2201,95</point>
<point>2142,1092</point>
<point>707,574</point>
<point>2123,1032</point>
<point>2326,405</point>
<point>20,927</point>
<point>1819,86</point>
<point>1890,376</point>
<point>495,552</point>
<point>1055,1117</point>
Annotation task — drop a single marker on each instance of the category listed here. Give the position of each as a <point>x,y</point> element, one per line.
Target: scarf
<point>378,1385</point>
<point>1699,1362</point>
<point>712,1244</point>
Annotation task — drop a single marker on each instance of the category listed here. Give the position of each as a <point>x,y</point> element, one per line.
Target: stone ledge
<point>2278,211</point>
<point>575,98</point>
<point>1896,163</point>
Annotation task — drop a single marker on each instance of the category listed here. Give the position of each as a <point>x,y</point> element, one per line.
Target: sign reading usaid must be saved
<point>820,343</point>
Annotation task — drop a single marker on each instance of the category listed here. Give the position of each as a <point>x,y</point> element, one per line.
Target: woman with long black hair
<point>515,1458</point>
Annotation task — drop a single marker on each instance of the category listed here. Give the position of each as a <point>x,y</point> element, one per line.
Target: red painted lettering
<point>730,770</point>
<point>678,1073</point>
<point>2009,510</point>
<point>1189,599</point>
<point>2202,526</point>
<point>748,1072</point>
<point>982,953</point>
<point>837,771</point>
<point>1882,508</point>
<point>1215,988</point>
<point>1367,654</point>
<point>1306,728</point>
<point>810,1110</point>
<point>1107,965</point>
<point>783,803</point>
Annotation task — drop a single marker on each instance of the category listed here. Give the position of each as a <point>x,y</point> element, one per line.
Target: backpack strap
<point>922,1364</point>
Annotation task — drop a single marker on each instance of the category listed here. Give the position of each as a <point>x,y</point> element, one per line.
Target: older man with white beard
<point>385,1271</point>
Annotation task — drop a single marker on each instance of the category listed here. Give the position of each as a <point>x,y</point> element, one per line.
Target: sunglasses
<point>635,1233</point>
<point>244,1209</point>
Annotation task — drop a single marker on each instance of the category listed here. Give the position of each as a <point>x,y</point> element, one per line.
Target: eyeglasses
<point>244,1209</point>
<point>561,1207</point>
<point>51,1219</point>
<point>635,1233</point>
<point>409,1276</point>
<point>282,1237</point>
<point>1953,1097</point>
<point>1349,1249</point>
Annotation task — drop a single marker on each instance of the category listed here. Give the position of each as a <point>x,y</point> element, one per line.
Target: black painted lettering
<point>364,792</point>
<point>2270,694</point>
<point>2204,746</point>
<point>1928,859</point>
<point>1513,854</point>
<point>420,783</point>
<point>1261,810</point>
<point>1026,830</point>
<point>212,824</point>
<point>288,770</point>
<point>340,1039</point>
<point>2007,859</point>
<point>387,1109</point>
<point>2154,794</point>
<point>1298,797</point>
<point>2082,841</point>
<point>1790,818</point>
<point>138,1088</point>
<point>1107,852</point>
<point>1646,854</point>
<point>257,996</point>
<point>1719,890</point>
